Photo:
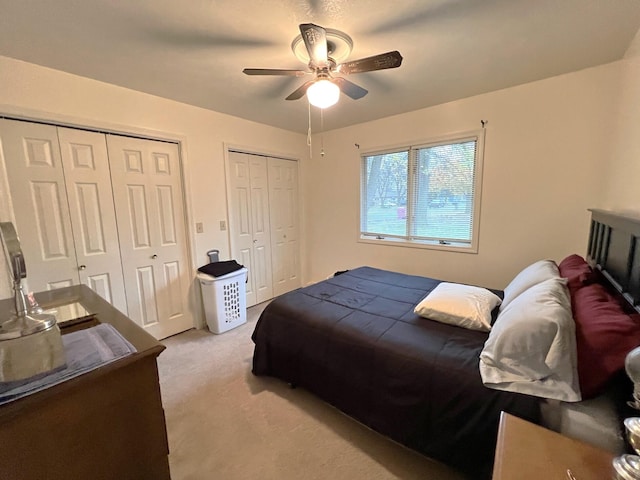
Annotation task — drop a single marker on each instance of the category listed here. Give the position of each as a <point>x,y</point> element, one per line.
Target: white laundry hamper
<point>224,299</point>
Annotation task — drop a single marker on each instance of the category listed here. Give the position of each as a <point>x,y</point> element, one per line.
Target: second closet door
<point>263,222</point>
<point>148,199</point>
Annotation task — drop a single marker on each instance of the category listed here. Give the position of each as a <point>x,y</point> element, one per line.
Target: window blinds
<point>423,193</point>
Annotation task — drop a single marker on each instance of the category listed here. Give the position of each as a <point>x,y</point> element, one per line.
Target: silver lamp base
<point>30,341</point>
<point>626,467</point>
<point>29,345</point>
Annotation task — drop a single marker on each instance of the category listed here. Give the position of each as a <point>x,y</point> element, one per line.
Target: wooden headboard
<point>614,249</point>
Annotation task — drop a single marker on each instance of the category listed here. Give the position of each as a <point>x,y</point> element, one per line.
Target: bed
<point>355,341</point>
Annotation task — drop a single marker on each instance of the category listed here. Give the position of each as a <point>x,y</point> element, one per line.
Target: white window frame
<point>472,246</point>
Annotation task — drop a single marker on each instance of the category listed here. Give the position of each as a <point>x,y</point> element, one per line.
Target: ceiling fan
<point>325,49</point>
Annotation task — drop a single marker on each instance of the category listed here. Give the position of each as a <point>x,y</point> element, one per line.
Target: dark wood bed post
<point>614,250</point>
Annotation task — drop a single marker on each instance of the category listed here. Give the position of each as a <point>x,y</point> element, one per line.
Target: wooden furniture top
<point>102,312</point>
<point>528,451</point>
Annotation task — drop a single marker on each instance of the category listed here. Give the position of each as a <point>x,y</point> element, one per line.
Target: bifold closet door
<point>93,217</point>
<point>63,204</point>
<point>32,160</point>
<point>147,189</point>
<point>249,222</point>
<point>283,205</point>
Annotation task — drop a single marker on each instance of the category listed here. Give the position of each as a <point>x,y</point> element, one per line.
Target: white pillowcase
<point>532,346</point>
<point>461,305</point>
<point>532,275</point>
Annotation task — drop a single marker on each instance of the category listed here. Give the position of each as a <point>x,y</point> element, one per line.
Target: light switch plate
<point>223,225</point>
<point>199,227</point>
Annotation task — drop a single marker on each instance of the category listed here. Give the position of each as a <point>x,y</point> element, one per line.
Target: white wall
<point>53,95</point>
<point>623,160</point>
<point>546,150</point>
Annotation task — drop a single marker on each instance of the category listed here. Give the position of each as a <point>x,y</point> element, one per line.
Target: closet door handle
<point>154,256</point>
<point>82,267</point>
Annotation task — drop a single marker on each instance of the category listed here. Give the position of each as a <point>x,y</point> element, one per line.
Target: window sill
<point>429,245</point>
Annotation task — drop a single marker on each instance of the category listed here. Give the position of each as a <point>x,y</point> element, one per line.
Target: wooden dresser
<point>526,451</point>
<point>107,424</point>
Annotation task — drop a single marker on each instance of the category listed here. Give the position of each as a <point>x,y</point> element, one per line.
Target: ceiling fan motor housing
<point>339,46</point>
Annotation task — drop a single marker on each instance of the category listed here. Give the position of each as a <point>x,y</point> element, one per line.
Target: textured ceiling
<point>193,51</point>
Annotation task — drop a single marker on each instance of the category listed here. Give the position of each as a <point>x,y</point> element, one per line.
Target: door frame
<point>267,153</point>
<point>71,121</point>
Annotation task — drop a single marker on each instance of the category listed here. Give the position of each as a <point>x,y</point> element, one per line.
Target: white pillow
<point>532,275</point>
<point>532,346</point>
<point>462,305</point>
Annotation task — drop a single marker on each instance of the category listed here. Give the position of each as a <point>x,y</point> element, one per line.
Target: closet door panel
<point>249,222</point>
<point>242,239</point>
<point>102,285</point>
<point>61,283</point>
<point>32,159</point>
<point>240,219</point>
<point>262,258</point>
<point>88,184</point>
<point>140,236</point>
<point>261,227</point>
<point>283,198</point>
<point>168,221</point>
<point>175,303</point>
<point>167,184</point>
<point>150,213</point>
<point>45,198</point>
<point>87,203</point>
<point>147,308</point>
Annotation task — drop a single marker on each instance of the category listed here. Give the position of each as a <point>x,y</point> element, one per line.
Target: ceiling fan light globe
<point>323,94</point>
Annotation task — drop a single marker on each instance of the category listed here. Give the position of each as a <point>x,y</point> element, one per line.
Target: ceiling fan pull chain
<point>309,132</point>
<point>322,132</point>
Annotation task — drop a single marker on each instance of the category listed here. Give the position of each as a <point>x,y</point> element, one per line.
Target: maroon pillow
<point>577,272</point>
<point>604,336</point>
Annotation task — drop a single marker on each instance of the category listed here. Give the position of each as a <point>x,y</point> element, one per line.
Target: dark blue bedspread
<point>354,341</point>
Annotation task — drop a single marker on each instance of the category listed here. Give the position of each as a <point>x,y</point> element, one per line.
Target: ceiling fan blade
<point>273,71</point>
<point>315,39</point>
<point>370,64</point>
<point>299,93</point>
<point>350,89</point>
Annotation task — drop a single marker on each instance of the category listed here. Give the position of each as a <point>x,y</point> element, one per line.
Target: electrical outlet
<point>223,225</point>
<point>199,227</point>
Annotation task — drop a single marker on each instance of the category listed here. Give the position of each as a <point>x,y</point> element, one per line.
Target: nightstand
<point>527,451</point>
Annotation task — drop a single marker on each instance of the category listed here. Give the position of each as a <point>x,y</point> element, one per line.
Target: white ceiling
<point>194,51</point>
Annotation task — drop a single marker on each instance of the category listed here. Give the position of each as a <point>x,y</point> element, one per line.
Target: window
<point>424,195</point>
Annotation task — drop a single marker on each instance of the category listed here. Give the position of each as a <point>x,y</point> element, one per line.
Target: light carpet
<point>225,423</point>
